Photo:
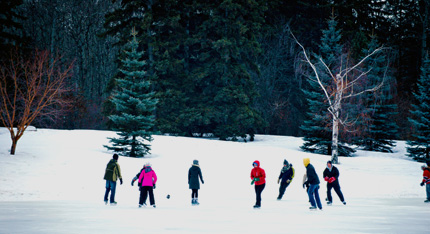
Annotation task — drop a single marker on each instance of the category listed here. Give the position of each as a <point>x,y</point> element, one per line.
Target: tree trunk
<point>335,140</point>
<point>335,133</point>
<point>13,147</point>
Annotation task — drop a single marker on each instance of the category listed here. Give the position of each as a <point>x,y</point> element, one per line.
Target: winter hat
<point>286,162</point>
<point>196,162</point>
<point>115,156</point>
<point>306,161</point>
<point>329,161</point>
<point>147,164</point>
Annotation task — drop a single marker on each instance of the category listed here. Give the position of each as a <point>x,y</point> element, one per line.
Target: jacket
<point>287,175</point>
<point>113,171</point>
<point>426,176</point>
<point>312,175</point>
<point>333,173</point>
<point>148,177</point>
<point>194,173</point>
<point>258,172</point>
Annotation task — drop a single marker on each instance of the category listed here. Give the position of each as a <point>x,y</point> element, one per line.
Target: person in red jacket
<point>258,176</point>
<point>426,181</point>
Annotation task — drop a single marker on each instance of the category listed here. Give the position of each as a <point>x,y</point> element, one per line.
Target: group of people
<point>310,182</point>
<point>147,180</point>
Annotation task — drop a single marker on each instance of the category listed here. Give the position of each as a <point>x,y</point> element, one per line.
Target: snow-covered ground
<point>54,184</point>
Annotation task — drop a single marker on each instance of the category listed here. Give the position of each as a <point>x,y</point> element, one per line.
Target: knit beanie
<point>196,162</point>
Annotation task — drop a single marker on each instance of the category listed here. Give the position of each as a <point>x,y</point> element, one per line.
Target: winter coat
<point>312,175</point>
<point>334,172</point>
<point>113,171</point>
<point>194,173</point>
<point>287,175</point>
<point>258,172</point>
<point>426,176</point>
<point>148,177</point>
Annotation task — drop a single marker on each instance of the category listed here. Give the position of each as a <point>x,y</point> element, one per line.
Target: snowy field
<point>54,184</point>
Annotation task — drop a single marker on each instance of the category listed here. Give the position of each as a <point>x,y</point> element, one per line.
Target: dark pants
<point>336,188</point>
<point>282,189</point>
<point>144,191</point>
<point>195,193</point>
<point>258,190</point>
<point>110,187</point>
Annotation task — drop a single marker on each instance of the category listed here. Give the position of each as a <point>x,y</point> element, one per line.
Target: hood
<point>148,169</point>
<point>306,161</point>
<point>257,162</point>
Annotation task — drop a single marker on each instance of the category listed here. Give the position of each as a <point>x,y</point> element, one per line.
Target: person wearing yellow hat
<point>313,182</point>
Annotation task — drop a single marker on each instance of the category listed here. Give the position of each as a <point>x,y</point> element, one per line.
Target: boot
<point>193,201</point>
<point>196,202</point>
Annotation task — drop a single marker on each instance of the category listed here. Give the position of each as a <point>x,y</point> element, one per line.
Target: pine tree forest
<point>231,69</point>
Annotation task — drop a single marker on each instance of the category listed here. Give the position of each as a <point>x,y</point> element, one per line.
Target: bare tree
<point>30,88</point>
<point>343,85</point>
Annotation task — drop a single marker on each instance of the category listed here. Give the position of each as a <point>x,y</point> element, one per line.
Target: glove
<point>120,180</point>
<point>278,180</point>
<point>203,182</point>
<point>422,184</point>
<point>153,186</point>
<point>253,180</point>
<point>326,178</point>
<point>132,182</point>
<point>288,181</point>
<point>331,180</point>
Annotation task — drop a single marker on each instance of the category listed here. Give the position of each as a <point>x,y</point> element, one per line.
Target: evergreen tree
<point>11,30</point>
<point>381,128</point>
<point>135,105</point>
<point>230,35</point>
<point>419,147</point>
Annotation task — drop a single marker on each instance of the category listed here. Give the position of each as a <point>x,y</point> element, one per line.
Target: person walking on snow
<point>426,181</point>
<point>112,173</point>
<point>313,182</point>
<point>147,180</point>
<point>258,176</point>
<point>331,175</point>
<point>285,177</point>
<point>194,173</point>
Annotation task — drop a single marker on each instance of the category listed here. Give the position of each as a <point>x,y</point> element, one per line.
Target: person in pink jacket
<point>147,180</point>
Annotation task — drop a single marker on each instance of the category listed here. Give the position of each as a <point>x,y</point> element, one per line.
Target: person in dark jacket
<point>194,173</point>
<point>112,173</point>
<point>285,177</point>
<point>313,182</point>
<point>258,176</point>
<point>331,175</point>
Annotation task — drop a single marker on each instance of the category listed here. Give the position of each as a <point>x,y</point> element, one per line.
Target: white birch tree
<point>345,83</point>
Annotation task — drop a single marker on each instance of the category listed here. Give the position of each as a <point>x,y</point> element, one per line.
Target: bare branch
<point>28,88</point>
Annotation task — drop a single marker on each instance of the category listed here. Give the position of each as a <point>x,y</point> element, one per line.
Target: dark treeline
<point>229,68</point>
